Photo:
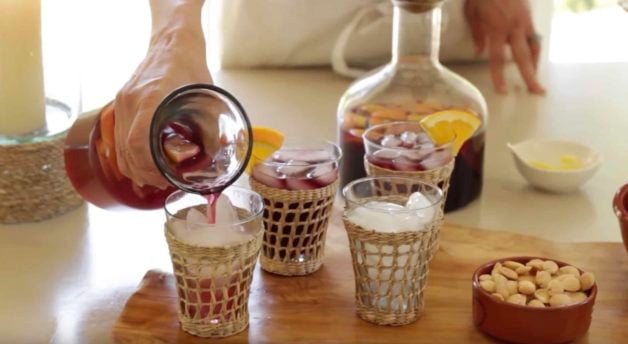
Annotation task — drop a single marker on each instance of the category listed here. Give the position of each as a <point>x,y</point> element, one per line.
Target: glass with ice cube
<point>298,184</point>
<point>391,237</point>
<point>403,149</point>
<point>213,263</point>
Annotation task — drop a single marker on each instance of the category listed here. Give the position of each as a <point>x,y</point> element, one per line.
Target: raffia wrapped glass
<point>295,227</point>
<point>438,176</point>
<point>33,182</point>
<point>213,284</point>
<point>390,272</point>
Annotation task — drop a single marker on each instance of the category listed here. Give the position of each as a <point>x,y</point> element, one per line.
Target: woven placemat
<point>213,284</point>
<point>390,271</point>
<point>295,228</point>
<point>33,183</point>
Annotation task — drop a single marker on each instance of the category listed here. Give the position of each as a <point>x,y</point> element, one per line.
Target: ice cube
<point>268,176</point>
<point>388,154</point>
<point>418,201</point>
<point>225,212</point>
<point>391,141</point>
<point>409,137</point>
<point>293,171</point>
<point>422,137</point>
<point>315,156</point>
<point>437,159</point>
<point>285,155</point>
<point>195,230</point>
<point>385,206</point>
<point>324,175</point>
<point>418,154</point>
<point>195,217</point>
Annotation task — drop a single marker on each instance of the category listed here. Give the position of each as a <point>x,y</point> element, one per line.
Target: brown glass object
<point>620,205</point>
<point>525,324</point>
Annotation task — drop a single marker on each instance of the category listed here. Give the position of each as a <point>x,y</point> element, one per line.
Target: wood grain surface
<point>320,308</point>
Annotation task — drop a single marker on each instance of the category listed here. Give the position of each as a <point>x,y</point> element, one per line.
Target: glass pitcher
<point>412,85</point>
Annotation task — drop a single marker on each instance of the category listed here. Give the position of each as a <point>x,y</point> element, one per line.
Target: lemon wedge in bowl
<point>265,142</point>
<point>452,125</point>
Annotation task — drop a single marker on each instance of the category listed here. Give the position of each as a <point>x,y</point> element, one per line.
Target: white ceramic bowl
<point>546,150</point>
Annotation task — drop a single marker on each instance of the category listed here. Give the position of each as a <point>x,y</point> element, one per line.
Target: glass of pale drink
<point>213,263</point>
<point>391,236</point>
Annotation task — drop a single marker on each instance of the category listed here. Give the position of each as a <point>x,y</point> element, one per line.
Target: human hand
<point>497,23</point>
<point>176,57</point>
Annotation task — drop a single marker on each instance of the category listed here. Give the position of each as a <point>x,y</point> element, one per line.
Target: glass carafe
<point>412,85</point>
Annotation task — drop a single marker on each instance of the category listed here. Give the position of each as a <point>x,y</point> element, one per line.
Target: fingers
<point>523,58</point>
<point>141,161</point>
<point>496,44</point>
<point>535,52</point>
<point>475,24</point>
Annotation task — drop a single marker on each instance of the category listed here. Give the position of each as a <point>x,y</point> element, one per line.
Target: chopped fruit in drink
<point>265,142</point>
<point>179,149</point>
<point>451,125</point>
<point>354,120</point>
<point>267,176</point>
<point>357,132</point>
<point>426,108</point>
<point>389,114</point>
<point>370,108</point>
<point>415,117</point>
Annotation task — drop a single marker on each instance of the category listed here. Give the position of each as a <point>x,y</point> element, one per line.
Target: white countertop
<point>65,280</point>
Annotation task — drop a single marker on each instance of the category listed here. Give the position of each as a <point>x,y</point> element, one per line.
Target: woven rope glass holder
<point>391,271</point>
<point>438,176</point>
<point>295,227</point>
<point>33,182</point>
<point>213,284</point>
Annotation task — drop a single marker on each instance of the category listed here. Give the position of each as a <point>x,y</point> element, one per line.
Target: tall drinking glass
<point>298,184</point>
<point>391,235</point>
<point>213,263</point>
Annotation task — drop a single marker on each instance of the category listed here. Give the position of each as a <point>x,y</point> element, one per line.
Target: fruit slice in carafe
<point>201,139</point>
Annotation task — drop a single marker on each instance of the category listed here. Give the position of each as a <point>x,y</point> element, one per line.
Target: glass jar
<point>412,85</point>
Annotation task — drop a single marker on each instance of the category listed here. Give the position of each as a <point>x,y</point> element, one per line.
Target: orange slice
<point>265,142</point>
<point>455,126</point>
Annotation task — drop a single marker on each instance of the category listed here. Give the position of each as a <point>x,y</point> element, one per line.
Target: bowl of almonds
<point>533,300</point>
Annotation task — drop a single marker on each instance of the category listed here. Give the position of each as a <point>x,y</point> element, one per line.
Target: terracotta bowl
<point>620,205</point>
<point>524,324</point>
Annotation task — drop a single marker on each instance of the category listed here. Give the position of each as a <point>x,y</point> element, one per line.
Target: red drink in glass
<point>404,146</point>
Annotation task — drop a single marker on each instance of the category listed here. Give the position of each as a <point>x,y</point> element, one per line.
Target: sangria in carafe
<point>411,86</point>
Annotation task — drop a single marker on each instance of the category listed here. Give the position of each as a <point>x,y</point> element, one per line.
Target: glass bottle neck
<point>416,36</point>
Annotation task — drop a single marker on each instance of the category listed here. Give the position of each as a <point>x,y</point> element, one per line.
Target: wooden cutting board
<point>320,308</point>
